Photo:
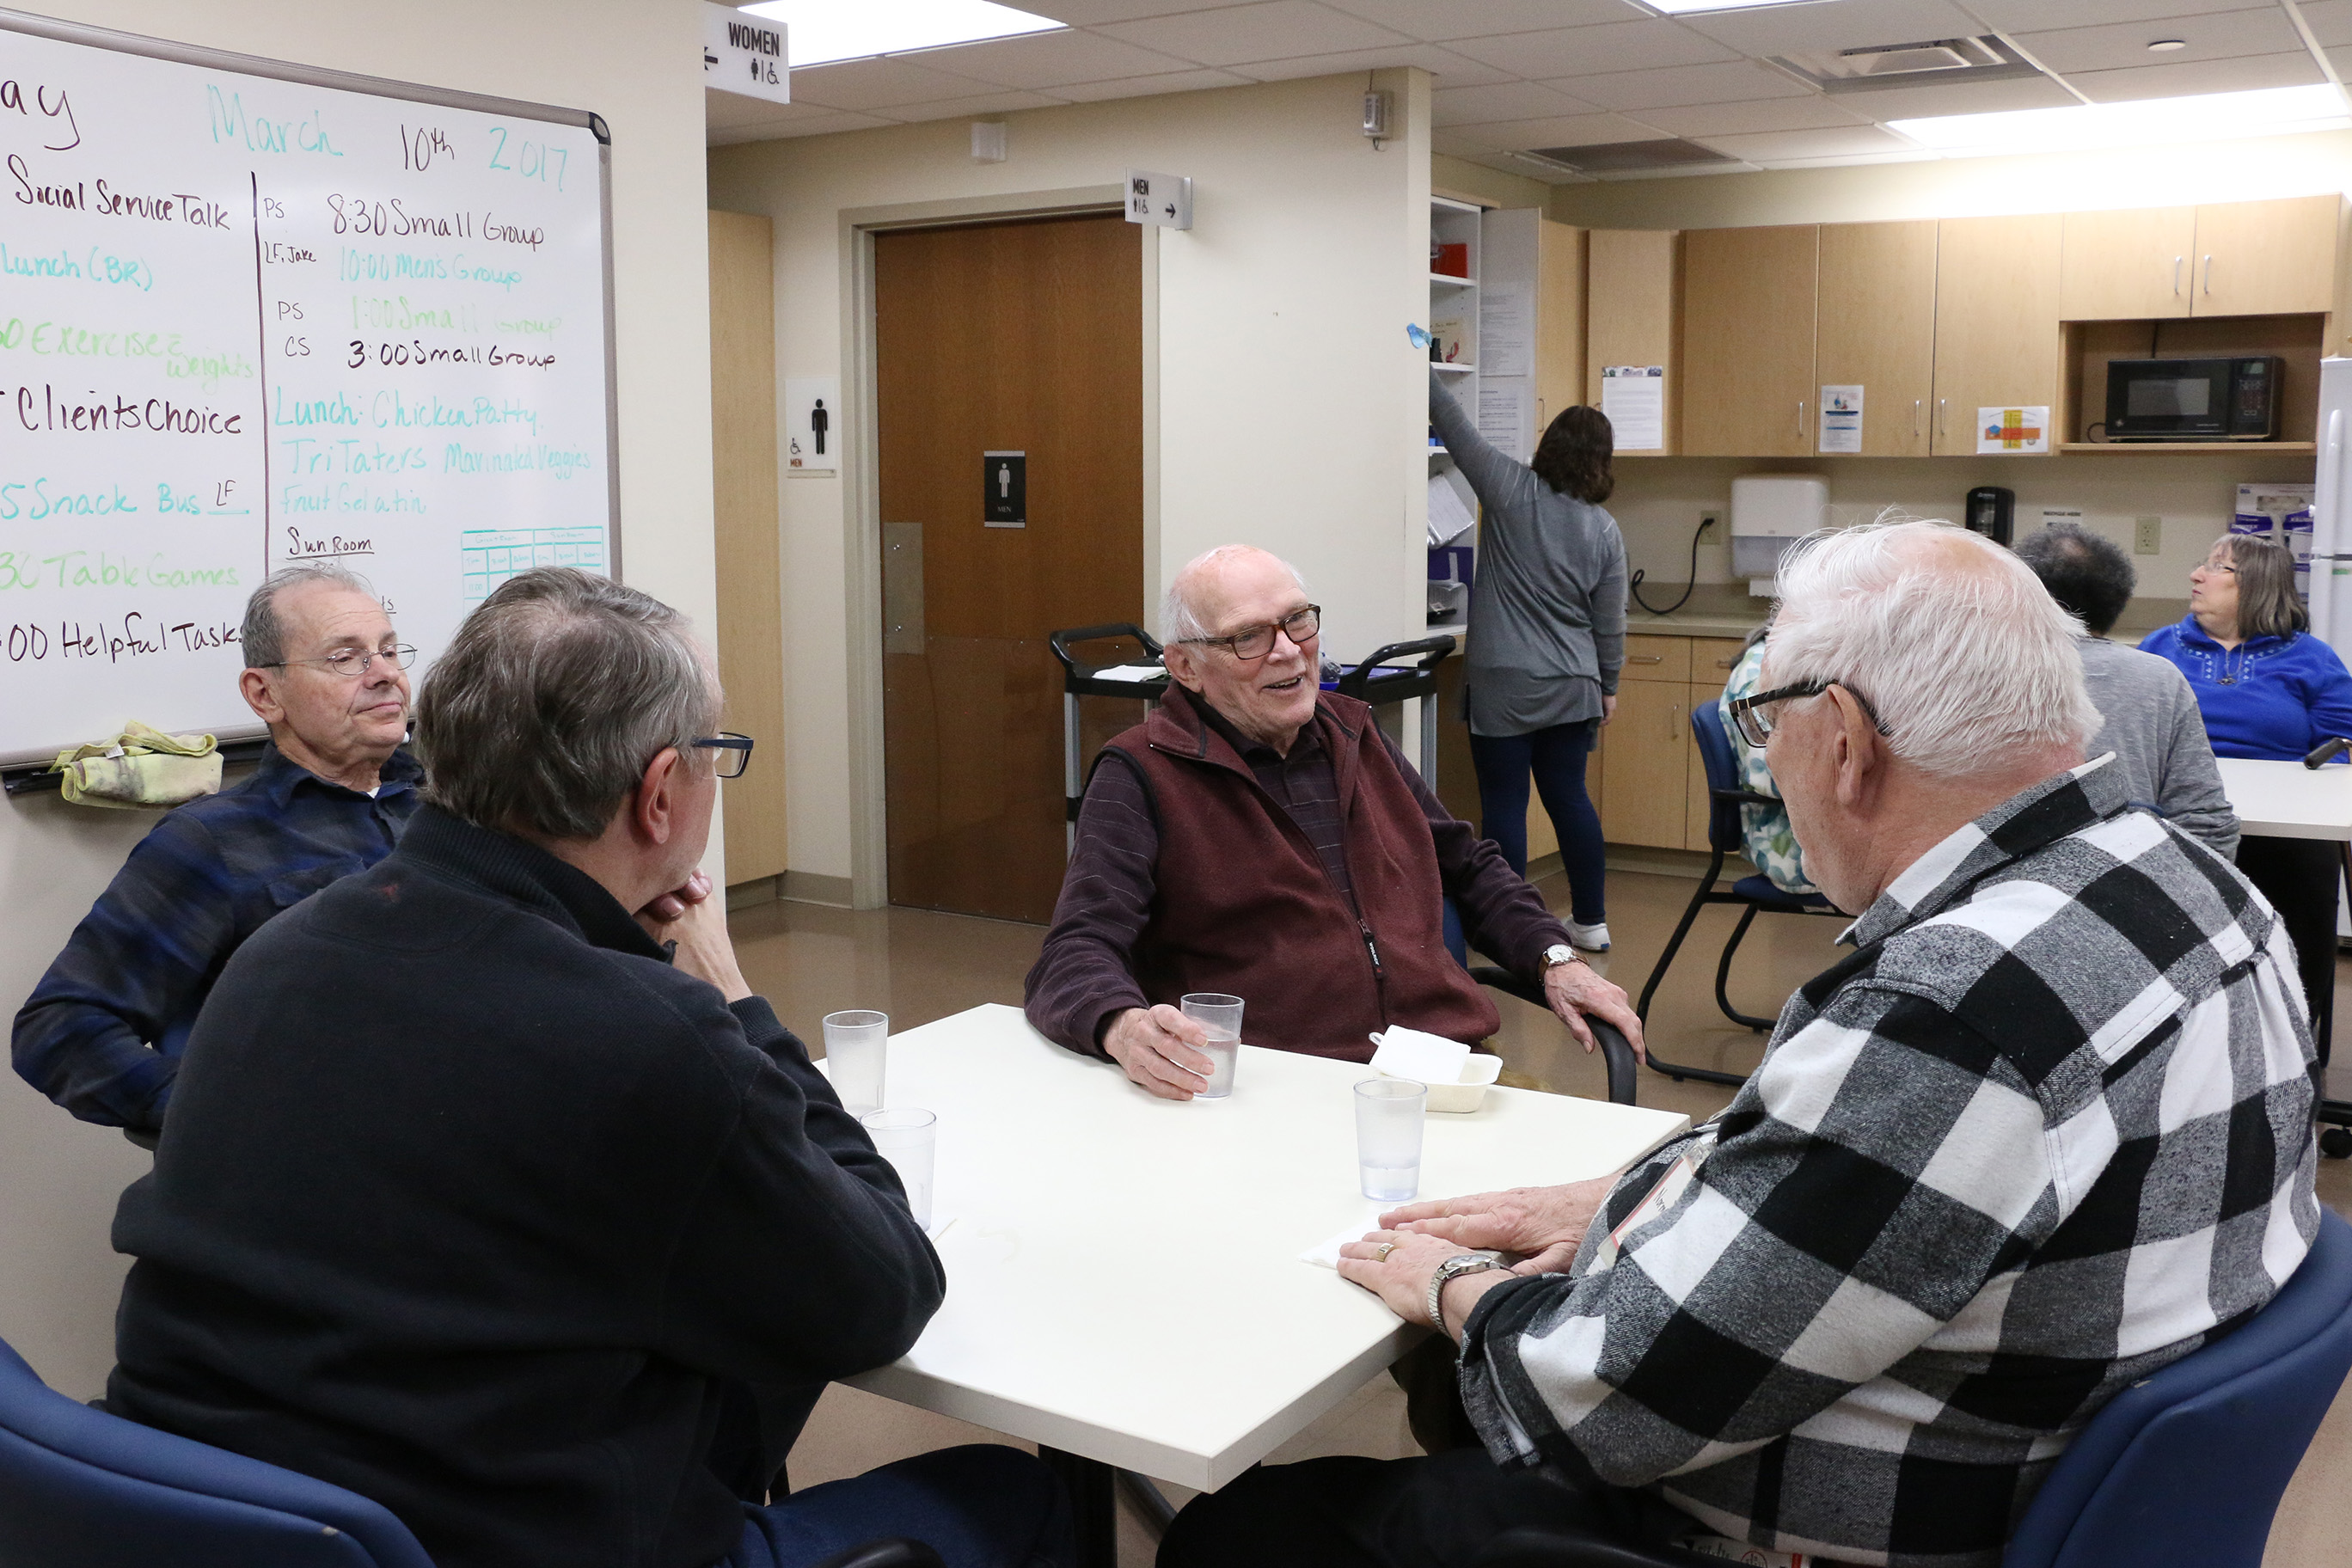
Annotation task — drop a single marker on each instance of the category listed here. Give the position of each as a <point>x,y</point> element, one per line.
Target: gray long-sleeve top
<point>1548,604</point>
<point>2158,738</point>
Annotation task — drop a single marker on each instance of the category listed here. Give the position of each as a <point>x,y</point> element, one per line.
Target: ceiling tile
<point>1051,59</point>
<point>1572,131</point>
<point>1838,25</point>
<point>1089,13</point>
<point>1491,159</point>
<point>1511,100</point>
<point>2124,44</point>
<point>1959,98</point>
<point>877,84</point>
<point>1148,86</point>
<point>1587,51</point>
<point>986,103</point>
<point>1438,20</point>
<point>1264,32</point>
<point>1845,141</point>
<point>1704,119</point>
<point>2240,74</point>
<point>2019,15</point>
<point>1735,81</point>
<point>1450,68</point>
<point>2330,20</point>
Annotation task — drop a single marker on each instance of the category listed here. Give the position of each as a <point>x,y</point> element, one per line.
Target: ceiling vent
<point>1608,158</point>
<point>1936,61</point>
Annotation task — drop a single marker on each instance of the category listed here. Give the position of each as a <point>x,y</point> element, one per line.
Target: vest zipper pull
<point>1374,949</point>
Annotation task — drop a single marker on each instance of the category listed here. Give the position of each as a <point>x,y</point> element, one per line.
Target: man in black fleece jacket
<point>475,1202</point>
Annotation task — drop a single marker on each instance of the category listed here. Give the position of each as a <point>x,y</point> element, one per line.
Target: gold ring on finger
<point>1380,1253</point>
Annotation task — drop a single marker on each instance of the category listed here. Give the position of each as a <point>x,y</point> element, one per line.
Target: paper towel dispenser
<point>1768,513</point>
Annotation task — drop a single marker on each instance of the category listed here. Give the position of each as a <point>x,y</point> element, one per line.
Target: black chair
<point>1753,895</point>
<point>1616,1051</point>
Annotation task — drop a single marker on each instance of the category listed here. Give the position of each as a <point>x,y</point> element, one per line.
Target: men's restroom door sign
<point>1004,489</point>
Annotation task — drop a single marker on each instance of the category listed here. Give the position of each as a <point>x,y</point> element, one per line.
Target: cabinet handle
<point>1940,431</point>
<point>2208,276</point>
<point>1673,722</point>
<point>1645,659</point>
<point>2176,278</point>
<point>1801,418</point>
<point>1914,418</point>
<point>1724,663</point>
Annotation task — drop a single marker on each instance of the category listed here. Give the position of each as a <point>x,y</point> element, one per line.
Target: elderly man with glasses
<point>1260,836</point>
<point>103,1033</point>
<point>2044,1131</point>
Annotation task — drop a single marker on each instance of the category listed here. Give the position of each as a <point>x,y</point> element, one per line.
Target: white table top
<point>1123,1272</point>
<point>2287,800</point>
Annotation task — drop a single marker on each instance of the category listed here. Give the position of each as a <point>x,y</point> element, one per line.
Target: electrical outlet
<point>1707,519</point>
<point>2147,536</point>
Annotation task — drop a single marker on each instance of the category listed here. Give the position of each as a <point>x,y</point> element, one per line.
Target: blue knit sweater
<point>2273,698</point>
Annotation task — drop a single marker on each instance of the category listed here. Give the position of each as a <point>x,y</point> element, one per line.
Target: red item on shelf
<point>1454,260</point>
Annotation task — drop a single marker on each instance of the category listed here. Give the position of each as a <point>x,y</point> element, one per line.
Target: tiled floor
<point>919,966</point>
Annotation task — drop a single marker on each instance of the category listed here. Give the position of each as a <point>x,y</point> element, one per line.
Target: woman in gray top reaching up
<point>1547,637</point>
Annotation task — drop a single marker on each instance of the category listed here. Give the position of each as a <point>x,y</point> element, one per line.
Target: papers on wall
<point>2281,513</point>
<point>1450,516</point>
<point>1633,396</point>
<point>1506,331</point>
<point>1504,412</point>
<point>1840,419</point>
<point>2002,430</point>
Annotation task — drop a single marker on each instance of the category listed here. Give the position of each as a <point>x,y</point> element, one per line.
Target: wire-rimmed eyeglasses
<point>1756,722</point>
<point>734,753</point>
<point>352,662</point>
<point>1256,642</point>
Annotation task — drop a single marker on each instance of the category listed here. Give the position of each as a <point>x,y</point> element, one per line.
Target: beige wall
<point>1659,499</point>
<point>633,61</point>
<point>1283,405</point>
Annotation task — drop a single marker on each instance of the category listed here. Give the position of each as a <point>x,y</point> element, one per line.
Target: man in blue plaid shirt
<point>102,1032</point>
<point>2047,1129</point>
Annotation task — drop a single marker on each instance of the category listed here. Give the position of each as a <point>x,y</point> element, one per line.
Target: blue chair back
<point>1722,773</point>
<point>79,1486</point>
<point>2188,1465</point>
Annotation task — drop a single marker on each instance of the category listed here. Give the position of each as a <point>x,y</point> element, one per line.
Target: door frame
<point>869,856</point>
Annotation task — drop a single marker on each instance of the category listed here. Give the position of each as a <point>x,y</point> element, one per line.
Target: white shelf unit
<point>1453,301</point>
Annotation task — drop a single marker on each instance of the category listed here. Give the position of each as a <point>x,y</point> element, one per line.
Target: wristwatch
<point>1453,1268</point>
<point>1558,953</point>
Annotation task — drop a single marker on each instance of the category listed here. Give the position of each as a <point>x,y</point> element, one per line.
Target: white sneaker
<point>1591,937</point>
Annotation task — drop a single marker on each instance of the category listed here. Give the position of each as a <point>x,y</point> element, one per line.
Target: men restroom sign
<point>1004,489</point>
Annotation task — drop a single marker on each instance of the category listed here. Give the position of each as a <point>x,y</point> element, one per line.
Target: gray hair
<point>1180,616</point>
<point>2088,573</point>
<point>1965,657</point>
<point>263,636</point>
<point>553,696</point>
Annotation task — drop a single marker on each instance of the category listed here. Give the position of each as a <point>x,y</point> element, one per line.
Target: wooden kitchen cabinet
<point>1997,343</point>
<point>1645,766</point>
<point>1748,308</point>
<point>2136,265</point>
<point>1632,287</point>
<point>1877,329</point>
<point>2267,258</point>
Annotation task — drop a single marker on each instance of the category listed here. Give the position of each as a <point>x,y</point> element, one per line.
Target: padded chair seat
<point>1759,889</point>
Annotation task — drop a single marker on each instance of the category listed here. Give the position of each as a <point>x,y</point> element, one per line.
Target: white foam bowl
<point>1468,1093</point>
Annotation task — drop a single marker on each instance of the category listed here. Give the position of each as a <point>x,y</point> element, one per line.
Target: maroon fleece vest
<point>1241,903</point>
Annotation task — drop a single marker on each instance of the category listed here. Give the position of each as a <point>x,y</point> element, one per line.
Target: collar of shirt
<point>2059,804</point>
<point>1257,754</point>
<point>281,775</point>
<point>2192,633</point>
<point>528,875</point>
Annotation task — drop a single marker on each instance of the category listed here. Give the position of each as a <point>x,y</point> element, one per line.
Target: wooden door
<point>1644,769</point>
<point>2267,258</point>
<point>1560,321</point>
<point>1012,337</point>
<point>1631,280</point>
<point>750,631</point>
<point>1747,340</point>
<point>1996,321</point>
<point>1877,329</point>
<point>2133,266</point>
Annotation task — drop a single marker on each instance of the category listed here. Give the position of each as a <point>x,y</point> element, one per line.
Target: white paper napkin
<point>1325,1254</point>
<point>1418,1055</point>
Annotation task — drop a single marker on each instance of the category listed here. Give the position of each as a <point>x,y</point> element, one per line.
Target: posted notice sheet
<point>1635,398</point>
<point>1840,419</point>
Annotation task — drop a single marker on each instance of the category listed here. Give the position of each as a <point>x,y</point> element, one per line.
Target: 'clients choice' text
<point>43,409</point>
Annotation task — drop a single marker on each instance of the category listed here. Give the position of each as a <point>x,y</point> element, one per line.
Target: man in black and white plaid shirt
<point>2047,1129</point>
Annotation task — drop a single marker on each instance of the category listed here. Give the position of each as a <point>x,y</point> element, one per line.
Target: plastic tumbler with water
<point>1222,1015</point>
<point>1388,1137</point>
<point>855,1046</point>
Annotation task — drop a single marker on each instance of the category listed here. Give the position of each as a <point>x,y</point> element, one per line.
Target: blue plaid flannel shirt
<point>101,1034</point>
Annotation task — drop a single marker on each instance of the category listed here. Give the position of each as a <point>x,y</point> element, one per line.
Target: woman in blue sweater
<point>2268,689</point>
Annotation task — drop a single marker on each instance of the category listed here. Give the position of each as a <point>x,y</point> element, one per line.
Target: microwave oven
<point>2193,399</point>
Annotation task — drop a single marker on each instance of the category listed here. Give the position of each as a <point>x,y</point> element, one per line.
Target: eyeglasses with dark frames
<point>1756,723</point>
<point>734,753</point>
<point>1256,642</point>
<point>352,662</point>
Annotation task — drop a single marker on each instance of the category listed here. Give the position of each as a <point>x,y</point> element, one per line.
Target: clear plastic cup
<point>1222,1015</point>
<point>1388,1137</point>
<point>855,1044</point>
<point>906,1138</point>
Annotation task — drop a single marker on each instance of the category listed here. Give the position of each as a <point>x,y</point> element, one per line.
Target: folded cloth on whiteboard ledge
<point>141,768</point>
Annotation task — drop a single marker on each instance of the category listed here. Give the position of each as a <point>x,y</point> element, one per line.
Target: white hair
<point>1179,612</point>
<point>1951,639</point>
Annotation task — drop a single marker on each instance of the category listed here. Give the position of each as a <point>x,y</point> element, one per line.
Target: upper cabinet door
<point>1996,321</point>
<point>2133,266</point>
<point>1877,329</point>
<point>1631,276</point>
<point>2267,258</point>
<point>1747,340</point>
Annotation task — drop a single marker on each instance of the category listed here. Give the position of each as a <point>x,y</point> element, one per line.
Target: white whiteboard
<point>253,313</point>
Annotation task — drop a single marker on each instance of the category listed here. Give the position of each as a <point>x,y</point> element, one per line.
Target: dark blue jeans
<point>981,1505</point>
<point>1556,758</point>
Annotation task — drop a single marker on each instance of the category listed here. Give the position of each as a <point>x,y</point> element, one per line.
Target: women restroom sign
<point>1004,489</point>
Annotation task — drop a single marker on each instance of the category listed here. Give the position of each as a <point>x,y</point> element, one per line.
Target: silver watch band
<point>1453,1268</point>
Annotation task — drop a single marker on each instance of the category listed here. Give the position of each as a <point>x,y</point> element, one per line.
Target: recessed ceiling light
<point>826,30</point>
<point>2166,46</point>
<point>2214,116</point>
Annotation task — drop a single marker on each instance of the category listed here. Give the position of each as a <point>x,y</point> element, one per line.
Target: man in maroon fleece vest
<point>1261,836</point>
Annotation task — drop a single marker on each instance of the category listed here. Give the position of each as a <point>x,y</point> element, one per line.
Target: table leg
<point>1094,1504</point>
